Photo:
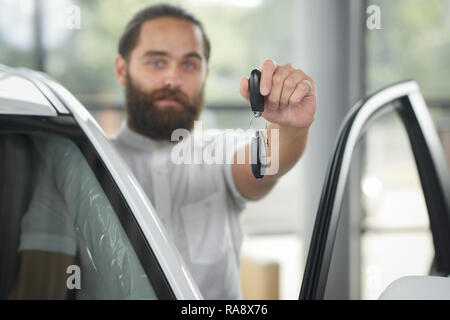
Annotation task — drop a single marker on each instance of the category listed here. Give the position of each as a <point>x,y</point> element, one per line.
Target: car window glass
<point>60,236</point>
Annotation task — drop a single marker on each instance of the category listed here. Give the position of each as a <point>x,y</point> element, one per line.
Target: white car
<point>65,191</point>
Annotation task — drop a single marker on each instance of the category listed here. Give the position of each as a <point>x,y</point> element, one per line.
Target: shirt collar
<point>139,141</point>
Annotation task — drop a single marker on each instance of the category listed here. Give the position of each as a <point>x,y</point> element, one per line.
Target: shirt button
<point>163,221</point>
<point>159,145</point>
<point>159,173</point>
<point>208,204</point>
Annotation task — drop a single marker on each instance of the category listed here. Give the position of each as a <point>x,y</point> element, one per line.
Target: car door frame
<point>405,99</point>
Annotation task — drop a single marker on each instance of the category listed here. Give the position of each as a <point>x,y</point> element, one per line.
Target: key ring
<point>257,118</point>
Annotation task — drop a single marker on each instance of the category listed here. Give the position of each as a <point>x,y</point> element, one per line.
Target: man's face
<point>164,77</point>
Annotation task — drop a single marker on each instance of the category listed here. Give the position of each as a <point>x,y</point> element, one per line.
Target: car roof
<point>27,92</point>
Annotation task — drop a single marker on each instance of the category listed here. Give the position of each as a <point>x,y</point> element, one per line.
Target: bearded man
<point>163,66</point>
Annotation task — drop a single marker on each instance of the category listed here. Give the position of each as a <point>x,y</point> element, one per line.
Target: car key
<point>258,155</point>
<point>256,98</point>
<point>259,144</point>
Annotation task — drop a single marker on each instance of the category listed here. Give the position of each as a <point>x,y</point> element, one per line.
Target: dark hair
<point>129,38</point>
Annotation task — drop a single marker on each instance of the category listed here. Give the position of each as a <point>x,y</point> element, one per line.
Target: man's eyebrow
<point>194,55</point>
<point>152,53</point>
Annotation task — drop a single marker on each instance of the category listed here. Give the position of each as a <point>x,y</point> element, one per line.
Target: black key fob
<point>256,98</point>
<point>258,156</point>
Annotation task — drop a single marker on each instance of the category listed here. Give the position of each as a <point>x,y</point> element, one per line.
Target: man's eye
<point>189,65</point>
<point>157,63</point>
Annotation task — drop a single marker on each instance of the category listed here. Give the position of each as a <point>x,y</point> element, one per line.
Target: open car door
<point>404,101</point>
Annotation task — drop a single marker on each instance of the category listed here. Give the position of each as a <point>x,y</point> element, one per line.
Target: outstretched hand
<point>289,95</point>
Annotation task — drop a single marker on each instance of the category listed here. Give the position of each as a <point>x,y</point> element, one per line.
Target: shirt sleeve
<point>47,225</point>
<point>235,195</point>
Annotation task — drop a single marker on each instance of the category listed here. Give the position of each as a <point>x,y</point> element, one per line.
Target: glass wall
<point>412,43</point>
<point>79,40</point>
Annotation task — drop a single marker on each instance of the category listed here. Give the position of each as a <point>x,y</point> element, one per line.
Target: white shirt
<point>199,205</point>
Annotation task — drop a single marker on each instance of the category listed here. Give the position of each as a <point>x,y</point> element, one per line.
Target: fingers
<point>303,88</point>
<point>267,70</point>
<point>308,83</point>
<point>282,86</point>
<point>278,78</point>
<point>290,86</point>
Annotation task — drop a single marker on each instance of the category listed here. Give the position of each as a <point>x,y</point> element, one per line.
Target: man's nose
<point>172,79</point>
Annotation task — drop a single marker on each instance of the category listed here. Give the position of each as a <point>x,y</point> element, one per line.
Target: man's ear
<point>120,67</point>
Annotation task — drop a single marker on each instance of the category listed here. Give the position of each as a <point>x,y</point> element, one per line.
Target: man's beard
<point>155,122</point>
